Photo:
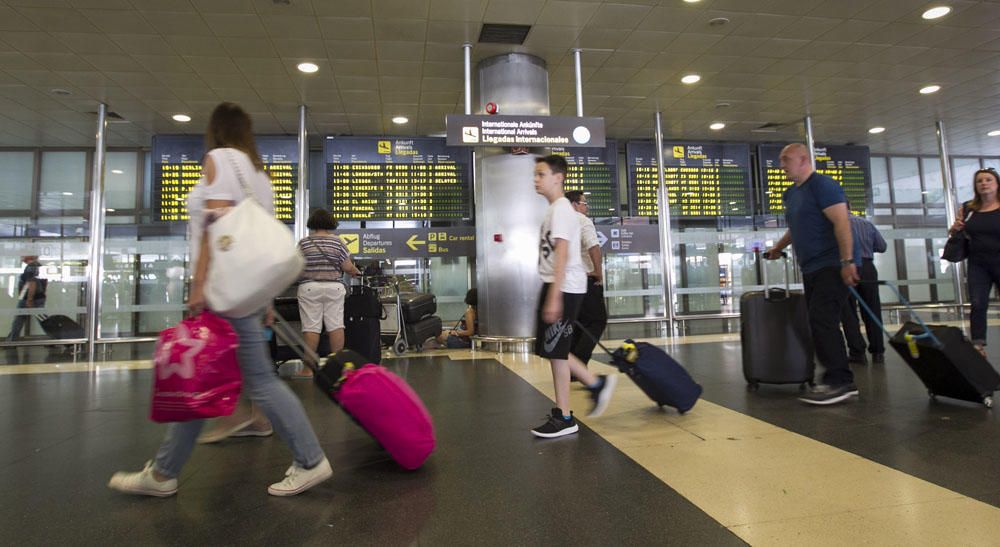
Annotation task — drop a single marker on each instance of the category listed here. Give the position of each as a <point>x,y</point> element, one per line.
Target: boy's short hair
<point>556,163</point>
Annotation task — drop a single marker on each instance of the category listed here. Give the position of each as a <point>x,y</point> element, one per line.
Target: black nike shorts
<point>553,340</point>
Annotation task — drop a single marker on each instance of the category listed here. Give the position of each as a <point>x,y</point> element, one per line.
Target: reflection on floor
<point>890,468</point>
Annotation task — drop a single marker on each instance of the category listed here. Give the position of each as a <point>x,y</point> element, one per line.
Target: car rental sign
<point>527,131</point>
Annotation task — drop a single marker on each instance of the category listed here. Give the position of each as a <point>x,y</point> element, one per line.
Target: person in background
<point>232,153</point>
<point>868,240</point>
<point>819,228</point>
<point>564,284</point>
<point>31,294</point>
<point>980,218</point>
<point>321,290</point>
<point>460,337</point>
<point>593,311</point>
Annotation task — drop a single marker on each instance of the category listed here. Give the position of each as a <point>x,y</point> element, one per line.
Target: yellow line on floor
<point>770,486</point>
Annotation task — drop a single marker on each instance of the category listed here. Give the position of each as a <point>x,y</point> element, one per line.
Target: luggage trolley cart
<point>392,326</point>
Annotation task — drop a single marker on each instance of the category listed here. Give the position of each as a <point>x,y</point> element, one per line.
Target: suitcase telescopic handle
<point>763,269</point>
<point>878,320</point>
<point>578,325</point>
<point>294,340</point>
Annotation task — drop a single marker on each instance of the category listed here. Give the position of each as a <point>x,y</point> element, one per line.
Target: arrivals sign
<point>526,131</point>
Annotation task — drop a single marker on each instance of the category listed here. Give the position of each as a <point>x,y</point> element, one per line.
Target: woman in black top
<point>980,218</point>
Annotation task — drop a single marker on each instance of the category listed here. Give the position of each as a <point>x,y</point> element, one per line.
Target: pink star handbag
<point>195,371</point>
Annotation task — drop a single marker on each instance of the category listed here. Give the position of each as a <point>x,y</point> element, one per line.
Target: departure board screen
<point>703,180</point>
<point>848,165</point>
<point>595,172</point>
<point>177,168</point>
<point>372,178</point>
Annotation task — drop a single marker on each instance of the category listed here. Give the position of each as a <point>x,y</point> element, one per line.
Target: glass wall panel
<point>905,180</point>
<point>962,171</point>
<point>121,180</point>
<point>449,281</point>
<point>63,181</point>
<point>633,285</point>
<point>880,181</point>
<point>17,171</point>
<point>933,183</point>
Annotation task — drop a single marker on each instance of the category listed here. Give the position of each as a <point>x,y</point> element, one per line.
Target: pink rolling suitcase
<point>382,403</point>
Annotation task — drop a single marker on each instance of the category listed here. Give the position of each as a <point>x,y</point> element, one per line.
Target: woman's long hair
<point>230,127</point>
<point>977,201</point>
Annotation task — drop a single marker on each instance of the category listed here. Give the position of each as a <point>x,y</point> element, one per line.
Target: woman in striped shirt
<point>321,292</point>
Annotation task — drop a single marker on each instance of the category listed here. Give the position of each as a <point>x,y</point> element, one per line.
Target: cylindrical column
<point>467,47</point>
<point>663,217</point>
<point>94,268</point>
<point>951,210</point>
<point>302,192</point>
<point>579,83</point>
<point>810,141</point>
<point>508,211</point>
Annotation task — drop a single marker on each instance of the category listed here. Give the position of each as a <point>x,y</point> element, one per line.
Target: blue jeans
<point>21,320</point>
<point>265,389</point>
<point>983,274</point>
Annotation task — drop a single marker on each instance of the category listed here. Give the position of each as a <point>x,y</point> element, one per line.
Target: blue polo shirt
<point>813,237</point>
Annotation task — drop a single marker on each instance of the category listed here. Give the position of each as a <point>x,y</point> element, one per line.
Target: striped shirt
<point>324,257</point>
<point>867,237</point>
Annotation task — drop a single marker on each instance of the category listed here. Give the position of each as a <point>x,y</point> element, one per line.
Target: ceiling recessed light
<point>117,172</point>
<point>929,89</point>
<point>60,92</point>
<point>994,133</point>
<point>183,118</point>
<point>936,13</point>
<point>717,126</point>
<point>400,120</point>
<point>718,22</point>
<point>308,68</point>
<point>692,1</point>
<point>691,79</point>
<point>876,130</point>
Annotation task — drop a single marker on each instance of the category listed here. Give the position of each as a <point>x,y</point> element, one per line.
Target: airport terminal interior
<point>416,123</point>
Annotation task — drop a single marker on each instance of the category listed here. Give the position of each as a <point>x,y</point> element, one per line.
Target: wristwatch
<point>846,262</point>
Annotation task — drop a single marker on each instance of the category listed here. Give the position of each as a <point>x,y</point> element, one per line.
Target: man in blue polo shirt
<point>819,228</point>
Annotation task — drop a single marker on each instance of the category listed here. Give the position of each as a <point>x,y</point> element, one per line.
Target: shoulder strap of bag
<point>239,176</point>
<point>320,249</point>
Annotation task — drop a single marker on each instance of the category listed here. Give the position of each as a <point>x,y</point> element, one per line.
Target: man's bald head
<point>795,162</point>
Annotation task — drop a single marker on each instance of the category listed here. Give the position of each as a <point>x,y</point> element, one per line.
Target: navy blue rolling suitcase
<point>656,373</point>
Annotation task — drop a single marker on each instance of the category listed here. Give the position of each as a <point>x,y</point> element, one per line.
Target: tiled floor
<point>891,468</point>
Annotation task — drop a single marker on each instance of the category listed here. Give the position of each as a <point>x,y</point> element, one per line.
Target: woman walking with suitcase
<point>980,219</point>
<point>232,166</point>
<point>321,292</point>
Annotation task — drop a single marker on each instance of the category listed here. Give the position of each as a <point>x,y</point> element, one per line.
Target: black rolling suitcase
<point>774,335</point>
<point>417,305</point>
<point>61,327</point>
<point>419,332</point>
<point>287,307</point>
<point>942,357</point>
<point>362,313</point>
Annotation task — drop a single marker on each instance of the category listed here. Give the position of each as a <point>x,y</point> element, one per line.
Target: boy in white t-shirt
<point>564,285</point>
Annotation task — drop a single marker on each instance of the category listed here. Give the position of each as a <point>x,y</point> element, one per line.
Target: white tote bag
<point>254,257</point>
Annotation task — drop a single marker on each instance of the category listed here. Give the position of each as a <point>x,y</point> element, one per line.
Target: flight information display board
<point>388,178</point>
<point>595,172</point>
<point>177,168</point>
<point>848,165</point>
<point>703,180</point>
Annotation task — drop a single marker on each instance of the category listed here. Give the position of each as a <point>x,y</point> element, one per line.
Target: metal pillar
<point>579,83</point>
<point>663,210</point>
<point>302,192</point>
<point>467,47</point>
<point>94,269</point>
<point>951,211</point>
<point>810,142</point>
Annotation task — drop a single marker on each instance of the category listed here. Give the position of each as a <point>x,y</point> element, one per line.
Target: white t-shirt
<point>588,238</point>
<point>561,223</point>
<point>226,186</point>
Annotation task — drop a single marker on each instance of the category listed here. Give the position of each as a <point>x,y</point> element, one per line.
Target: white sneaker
<point>298,480</point>
<point>143,483</point>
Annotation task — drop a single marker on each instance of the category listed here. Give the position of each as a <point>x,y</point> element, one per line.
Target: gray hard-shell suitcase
<point>774,333</point>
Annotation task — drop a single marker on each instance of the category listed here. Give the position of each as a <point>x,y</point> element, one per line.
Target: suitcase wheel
<point>419,347</point>
<point>988,401</point>
<point>753,386</point>
<point>399,347</point>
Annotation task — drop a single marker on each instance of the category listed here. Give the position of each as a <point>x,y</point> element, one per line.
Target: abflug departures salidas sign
<point>560,131</point>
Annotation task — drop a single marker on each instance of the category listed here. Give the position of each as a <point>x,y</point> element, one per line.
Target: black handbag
<point>956,249</point>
